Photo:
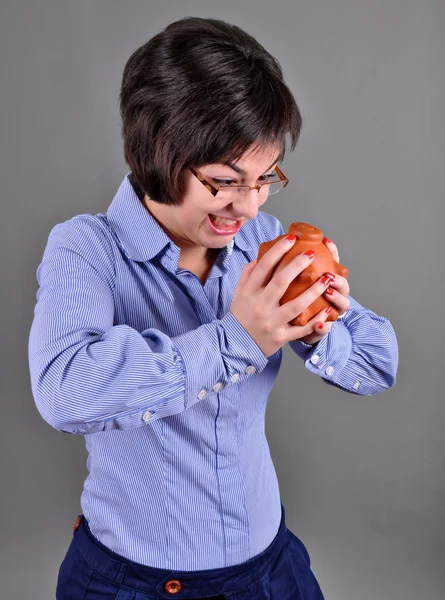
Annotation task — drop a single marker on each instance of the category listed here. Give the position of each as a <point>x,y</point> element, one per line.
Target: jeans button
<point>173,586</point>
<point>76,524</point>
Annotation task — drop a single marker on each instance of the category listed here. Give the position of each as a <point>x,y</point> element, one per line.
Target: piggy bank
<point>308,238</point>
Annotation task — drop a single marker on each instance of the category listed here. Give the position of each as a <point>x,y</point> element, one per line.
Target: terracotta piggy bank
<point>308,238</point>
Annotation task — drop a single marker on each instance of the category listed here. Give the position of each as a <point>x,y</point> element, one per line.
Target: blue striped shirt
<point>169,390</point>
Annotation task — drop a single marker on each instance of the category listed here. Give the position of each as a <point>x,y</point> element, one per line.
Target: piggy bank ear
<point>265,246</point>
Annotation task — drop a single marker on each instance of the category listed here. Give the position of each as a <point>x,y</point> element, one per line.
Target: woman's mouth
<point>223,226</point>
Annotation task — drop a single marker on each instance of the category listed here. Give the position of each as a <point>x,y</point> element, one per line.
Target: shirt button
<point>250,370</point>
<point>217,387</point>
<point>235,378</point>
<point>315,359</point>
<point>202,394</point>
<point>146,416</point>
<point>330,370</point>
<point>356,385</point>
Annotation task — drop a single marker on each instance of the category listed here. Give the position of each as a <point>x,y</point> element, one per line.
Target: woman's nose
<point>247,205</point>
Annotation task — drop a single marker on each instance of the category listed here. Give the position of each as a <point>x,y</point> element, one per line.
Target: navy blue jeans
<point>90,571</point>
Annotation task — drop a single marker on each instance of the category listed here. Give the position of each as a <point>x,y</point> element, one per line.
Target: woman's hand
<point>256,301</point>
<point>336,293</point>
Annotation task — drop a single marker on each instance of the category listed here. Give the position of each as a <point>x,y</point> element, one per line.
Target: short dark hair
<point>201,91</point>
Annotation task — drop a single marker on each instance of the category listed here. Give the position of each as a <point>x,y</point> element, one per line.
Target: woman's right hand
<point>256,300</point>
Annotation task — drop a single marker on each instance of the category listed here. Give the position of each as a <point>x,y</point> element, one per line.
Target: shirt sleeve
<point>359,355</point>
<point>89,375</point>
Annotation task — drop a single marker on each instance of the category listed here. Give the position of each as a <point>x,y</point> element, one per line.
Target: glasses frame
<point>214,189</point>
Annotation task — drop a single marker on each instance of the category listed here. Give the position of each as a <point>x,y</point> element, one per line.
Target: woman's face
<point>194,224</point>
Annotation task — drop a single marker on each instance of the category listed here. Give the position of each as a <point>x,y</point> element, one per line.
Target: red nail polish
<point>331,275</point>
<point>328,310</point>
<point>326,280</point>
<point>320,325</point>
<point>291,238</point>
<point>327,240</point>
<point>330,291</point>
<point>310,254</point>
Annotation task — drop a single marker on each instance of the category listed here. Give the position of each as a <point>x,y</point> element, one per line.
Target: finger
<point>339,283</point>
<point>341,303</point>
<point>316,337</point>
<point>279,283</point>
<point>332,248</point>
<point>268,262</point>
<point>291,309</point>
<point>321,328</point>
<point>310,333</point>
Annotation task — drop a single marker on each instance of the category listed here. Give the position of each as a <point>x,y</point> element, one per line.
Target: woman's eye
<point>224,181</point>
<point>262,179</point>
<point>266,177</point>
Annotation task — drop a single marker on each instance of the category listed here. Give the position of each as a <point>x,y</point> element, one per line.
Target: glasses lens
<point>232,193</point>
<point>275,187</point>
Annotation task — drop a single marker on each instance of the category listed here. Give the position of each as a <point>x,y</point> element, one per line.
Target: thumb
<point>246,272</point>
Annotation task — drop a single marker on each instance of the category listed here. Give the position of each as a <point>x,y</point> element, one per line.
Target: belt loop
<point>121,573</point>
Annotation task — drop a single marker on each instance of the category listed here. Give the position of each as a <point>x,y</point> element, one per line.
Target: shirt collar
<point>140,235</point>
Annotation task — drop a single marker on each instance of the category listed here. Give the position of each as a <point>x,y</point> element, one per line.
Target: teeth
<point>222,221</point>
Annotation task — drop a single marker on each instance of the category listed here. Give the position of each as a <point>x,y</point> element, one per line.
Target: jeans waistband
<point>152,580</point>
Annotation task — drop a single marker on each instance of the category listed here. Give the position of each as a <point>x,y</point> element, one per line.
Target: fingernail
<point>291,238</point>
<point>310,254</point>
<point>326,280</point>
<point>331,275</point>
<point>327,240</point>
<point>329,291</point>
<point>328,310</point>
<point>320,325</point>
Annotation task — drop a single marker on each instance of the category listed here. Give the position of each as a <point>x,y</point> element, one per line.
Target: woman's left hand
<point>337,293</point>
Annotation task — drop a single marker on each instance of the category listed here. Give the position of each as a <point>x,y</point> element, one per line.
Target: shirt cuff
<point>302,349</point>
<point>248,348</point>
<point>329,356</point>
<point>215,355</point>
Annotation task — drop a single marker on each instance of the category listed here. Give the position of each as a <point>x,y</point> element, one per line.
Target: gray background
<point>362,478</point>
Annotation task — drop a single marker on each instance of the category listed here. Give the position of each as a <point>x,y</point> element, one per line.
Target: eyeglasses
<point>274,183</point>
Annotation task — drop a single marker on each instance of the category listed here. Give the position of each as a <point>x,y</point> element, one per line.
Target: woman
<point>157,334</point>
